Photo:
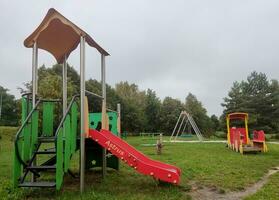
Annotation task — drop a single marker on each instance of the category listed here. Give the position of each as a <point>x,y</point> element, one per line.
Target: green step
<point>46,151</point>
<point>42,167</point>
<point>46,139</point>
<point>37,184</point>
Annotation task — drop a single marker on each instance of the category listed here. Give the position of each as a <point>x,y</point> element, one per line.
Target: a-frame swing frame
<point>185,118</point>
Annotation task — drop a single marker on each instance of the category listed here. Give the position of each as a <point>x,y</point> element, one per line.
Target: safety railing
<point>26,138</point>
<point>20,137</point>
<point>65,140</point>
<point>94,94</point>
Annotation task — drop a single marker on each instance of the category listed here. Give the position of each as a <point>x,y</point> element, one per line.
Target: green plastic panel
<point>95,121</point>
<point>59,160</point>
<point>27,141</point>
<point>24,110</point>
<point>17,167</point>
<point>74,118</point>
<point>26,132</point>
<point>35,126</point>
<point>67,137</point>
<point>93,151</point>
<point>48,116</point>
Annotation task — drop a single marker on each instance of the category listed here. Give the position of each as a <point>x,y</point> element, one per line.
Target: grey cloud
<point>173,47</point>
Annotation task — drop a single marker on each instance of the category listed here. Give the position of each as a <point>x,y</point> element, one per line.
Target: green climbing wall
<point>93,150</point>
<point>95,121</point>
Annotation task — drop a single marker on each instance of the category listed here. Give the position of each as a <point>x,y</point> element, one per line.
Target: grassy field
<point>269,191</point>
<point>206,164</point>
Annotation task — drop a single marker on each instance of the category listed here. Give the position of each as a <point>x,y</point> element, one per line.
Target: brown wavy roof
<point>59,36</point>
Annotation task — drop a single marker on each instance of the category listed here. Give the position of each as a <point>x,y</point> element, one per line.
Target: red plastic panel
<point>238,134</point>
<point>134,158</point>
<point>258,136</point>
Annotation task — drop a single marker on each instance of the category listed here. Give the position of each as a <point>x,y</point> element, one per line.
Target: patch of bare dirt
<point>201,193</point>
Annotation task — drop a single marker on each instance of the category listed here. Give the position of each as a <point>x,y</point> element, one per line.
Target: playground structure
<point>48,139</point>
<point>186,121</point>
<point>238,137</point>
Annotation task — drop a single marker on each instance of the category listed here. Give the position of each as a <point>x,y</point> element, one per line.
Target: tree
<point>152,111</point>
<point>215,123</point>
<point>50,82</point>
<point>257,96</point>
<point>170,111</point>
<point>95,104</point>
<point>9,108</point>
<point>50,85</point>
<point>198,112</point>
<point>235,100</point>
<point>133,105</point>
<point>274,104</point>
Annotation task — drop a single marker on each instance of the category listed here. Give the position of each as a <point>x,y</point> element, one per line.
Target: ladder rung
<point>48,151</point>
<point>37,184</point>
<point>42,167</point>
<point>46,139</point>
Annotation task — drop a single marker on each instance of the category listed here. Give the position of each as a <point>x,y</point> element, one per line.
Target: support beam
<point>176,126</point>
<point>246,130</point>
<point>34,88</point>
<point>93,94</point>
<point>1,102</point>
<point>64,77</point>
<point>104,113</point>
<point>119,119</point>
<point>178,131</point>
<point>34,73</point>
<point>82,109</point>
<point>187,120</point>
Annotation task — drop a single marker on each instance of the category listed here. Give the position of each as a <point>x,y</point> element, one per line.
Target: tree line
<point>144,111</point>
<point>258,96</point>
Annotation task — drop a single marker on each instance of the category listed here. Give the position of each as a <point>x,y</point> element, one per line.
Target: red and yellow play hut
<point>238,135</point>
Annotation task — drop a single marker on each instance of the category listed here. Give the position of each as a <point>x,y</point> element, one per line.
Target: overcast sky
<point>173,47</point>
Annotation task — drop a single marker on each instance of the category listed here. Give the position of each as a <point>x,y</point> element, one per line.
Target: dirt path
<point>214,194</point>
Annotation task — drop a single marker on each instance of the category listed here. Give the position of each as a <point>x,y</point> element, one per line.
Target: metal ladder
<point>49,165</point>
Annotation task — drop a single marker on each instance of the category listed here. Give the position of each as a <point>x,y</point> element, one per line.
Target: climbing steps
<point>37,170</point>
<point>42,156</point>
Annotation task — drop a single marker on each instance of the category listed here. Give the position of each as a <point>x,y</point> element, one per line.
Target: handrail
<point>20,130</point>
<point>108,109</point>
<point>65,115</point>
<point>94,94</point>
<point>51,100</point>
<point>43,100</point>
<point>26,94</point>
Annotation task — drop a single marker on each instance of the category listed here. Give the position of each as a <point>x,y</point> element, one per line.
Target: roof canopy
<point>59,36</point>
<point>238,115</point>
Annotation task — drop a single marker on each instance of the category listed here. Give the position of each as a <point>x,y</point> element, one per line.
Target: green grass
<point>268,191</point>
<point>208,164</point>
<point>6,142</point>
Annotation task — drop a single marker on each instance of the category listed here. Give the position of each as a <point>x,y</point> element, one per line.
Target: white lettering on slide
<point>114,147</point>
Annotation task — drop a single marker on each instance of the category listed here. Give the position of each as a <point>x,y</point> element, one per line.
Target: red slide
<point>134,158</point>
